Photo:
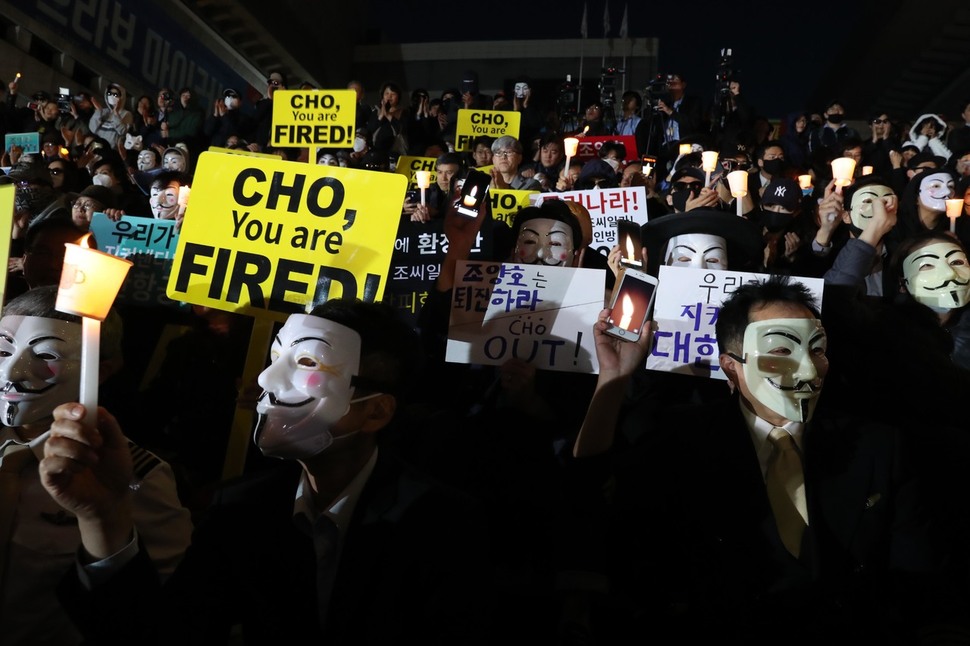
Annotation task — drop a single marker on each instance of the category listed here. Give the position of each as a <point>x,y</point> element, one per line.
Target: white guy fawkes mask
<point>545,241</point>
<point>701,250</point>
<point>173,161</point>
<point>861,208</point>
<point>164,201</point>
<point>934,190</point>
<point>40,367</point>
<point>785,365</point>
<point>307,386</point>
<point>938,276</point>
<point>146,160</point>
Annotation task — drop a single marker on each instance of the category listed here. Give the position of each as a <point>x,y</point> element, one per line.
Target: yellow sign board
<point>506,203</point>
<point>241,151</point>
<point>492,123</point>
<point>303,118</point>
<point>407,166</point>
<point>272,237</point>
<point>6,225</point>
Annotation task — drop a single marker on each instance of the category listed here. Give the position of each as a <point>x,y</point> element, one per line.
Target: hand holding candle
<point>842,170</point>
<point>90,280</point>
<point>954,209</point>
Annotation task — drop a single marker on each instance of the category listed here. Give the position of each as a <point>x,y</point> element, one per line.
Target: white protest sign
<point>685,311</point>
<point>542,315</point>
<point>605,206</point>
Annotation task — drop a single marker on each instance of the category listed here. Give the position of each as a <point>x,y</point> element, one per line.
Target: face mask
<point>836,118</point>
<point>860,210</point>
<point>102,180</point>
<point>784,365</point>
<point>132,142</point>
<point>40,368</point>
<point>678,199</point>
<point>773,220</point>
<point>307,387</point>
<point>112,100</point>
<point>774,167</point>
<point>164,202</point>
<point>146,162</point>
<point>700,250</point>
<point>614,164</point>
<point>173,162</point>
<point>231,102</point>
<point>938,276</point>
<point>360,144</point>
<point>544,241</point>
<point>935,190</point>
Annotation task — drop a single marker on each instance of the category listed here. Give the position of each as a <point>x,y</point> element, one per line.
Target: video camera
<point>657,91</point>
<point>607,86</point>
<point>64,100</point>
<point>566,101</point>
<point>725,73</point>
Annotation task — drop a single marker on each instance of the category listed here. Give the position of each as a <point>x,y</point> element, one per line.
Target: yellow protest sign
<point>493,123</point>
<point>507,202</point>
<point>407,166</point>
<point>6,226</point>
<point>271,237</point>
<point>304,118</point>
<point>241,151</point>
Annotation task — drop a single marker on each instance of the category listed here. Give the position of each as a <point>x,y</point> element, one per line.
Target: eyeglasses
<point>879,121</point>
<point>273,82</point>
<point>504,154</point>
<point>84,205</point>
<point>113,93</point>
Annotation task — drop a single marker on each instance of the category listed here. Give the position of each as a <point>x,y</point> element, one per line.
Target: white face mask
<point>307,386</point>
<point>231,102</point>
<point>701,250</point>
<point>861,208</point>
<point>164,201</point>
<point>938,276</point>
<point>935,190</point>
<point>112,100</point>
<point>173,161</point>
<point>40,367</point>
<point>544,241</point>
<point>102,180</point>
<point>146,161</point>
<point>785,364</point>
<point>614,164</point>
<point>360,144</point>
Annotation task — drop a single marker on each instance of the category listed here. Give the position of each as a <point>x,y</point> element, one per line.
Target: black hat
<point>783,191</point>
<point>689,171</point>
<point>745,245</point>
<point>102,194</point>
<point>30,172</point>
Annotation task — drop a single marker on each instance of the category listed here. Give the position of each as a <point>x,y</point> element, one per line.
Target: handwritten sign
<point>29,141</point>
<point>271,237</point>
<point>542,315</point>
<point>685,311</point>
<point>314,118</point>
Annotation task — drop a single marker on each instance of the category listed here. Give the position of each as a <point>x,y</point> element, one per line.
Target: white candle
<point>708,163</point>
<point>954,208</point>
<point>569,145</point>
<point>423,178</point>
<point>90,360</point>
<point>738,181</point>
<point>842,169</point>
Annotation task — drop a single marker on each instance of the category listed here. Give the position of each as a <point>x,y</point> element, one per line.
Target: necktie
<point>14,460</point>
<point>785,482</point>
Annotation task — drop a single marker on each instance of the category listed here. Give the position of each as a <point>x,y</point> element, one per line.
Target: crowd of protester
<point>569,553</point>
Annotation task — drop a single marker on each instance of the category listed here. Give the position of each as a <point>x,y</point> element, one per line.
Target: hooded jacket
<point>112,123</point>
<point>935,144</point>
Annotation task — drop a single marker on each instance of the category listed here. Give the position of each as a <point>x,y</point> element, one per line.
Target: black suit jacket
<point>694,539</point>
<point>411,571</point>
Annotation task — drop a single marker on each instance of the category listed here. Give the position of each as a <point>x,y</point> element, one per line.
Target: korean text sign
<point>541,315</point>
<point>685,312</point>
<point>605,207</point>
<point>265,237</point>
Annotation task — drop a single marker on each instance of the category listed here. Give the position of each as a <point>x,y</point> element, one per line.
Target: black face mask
<point>836,118</point>
<point>773,221</point>
<point>679,198</point>
<point>774,167</point>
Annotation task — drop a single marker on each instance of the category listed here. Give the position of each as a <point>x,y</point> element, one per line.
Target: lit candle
<point>627,313</point>
<point>630,253</point>
<point>954,208</point>
<point>184,196</point>
<point>16,78</point>
<point>570,145</point>
<point>708,163</point>
<point>684,149</point>
<point>470,198</point>
<point>90,280</point>
<point>423,178</point>
<point>738,181</point>
<point>842,169</point>
<point>867,170</point>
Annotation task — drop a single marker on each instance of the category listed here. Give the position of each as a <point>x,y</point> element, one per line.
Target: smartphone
<point>631,248</point>
<point>648,163</point>
<point>631,304</point>
<point>473,192</point>
<point>412,196</point>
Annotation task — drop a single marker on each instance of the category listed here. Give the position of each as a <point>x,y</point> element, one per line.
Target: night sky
<point>780,49</point>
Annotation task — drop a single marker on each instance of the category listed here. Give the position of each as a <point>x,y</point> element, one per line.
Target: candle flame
<point>84,242</point>
<point>585,130</point>
<point>470,198</point>
<point>629,248</point>
<point>627,312</point>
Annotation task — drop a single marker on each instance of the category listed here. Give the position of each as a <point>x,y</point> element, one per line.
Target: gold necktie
<point>786,489</point>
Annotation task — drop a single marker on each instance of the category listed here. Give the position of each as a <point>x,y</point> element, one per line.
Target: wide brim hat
<point>745,244</point>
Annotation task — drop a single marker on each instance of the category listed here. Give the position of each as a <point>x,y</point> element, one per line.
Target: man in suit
<point>342,544</point>
<point>699,539</point>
